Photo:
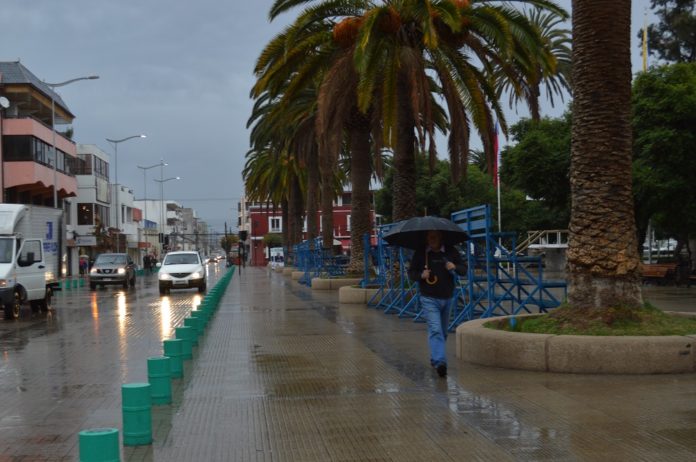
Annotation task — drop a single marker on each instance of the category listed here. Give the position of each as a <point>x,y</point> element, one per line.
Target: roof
<point>14,72</point>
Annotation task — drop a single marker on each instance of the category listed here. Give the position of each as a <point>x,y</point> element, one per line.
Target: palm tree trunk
<point>285,229</point>
<point>404,186</point>
<point>298,207</point>
<point>327,198</point>
<point>603,263</point>
<point>360,173</point>
<point>312,195</point>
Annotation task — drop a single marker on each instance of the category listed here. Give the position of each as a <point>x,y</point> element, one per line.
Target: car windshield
<point>111,260</point>
<point>6,250</point>
<point>181,259</point>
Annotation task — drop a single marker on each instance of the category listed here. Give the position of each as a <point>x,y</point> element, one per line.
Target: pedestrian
<point>433,267</point>
<point>84,264</point>
<point>147,263</point>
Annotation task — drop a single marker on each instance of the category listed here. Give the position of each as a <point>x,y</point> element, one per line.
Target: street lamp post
<point>118,207</point>
<point>161,181</point>
<point>53,129</point>
<point>145,169</point>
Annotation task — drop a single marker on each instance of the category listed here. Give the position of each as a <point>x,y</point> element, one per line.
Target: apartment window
<point>275,224</point>
<point>347,199</point>
<point>102,214</point>
<point>85,214</point>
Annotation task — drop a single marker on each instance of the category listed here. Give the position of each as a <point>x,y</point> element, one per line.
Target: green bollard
<point>159,374</point>
<point>82,282</point>
<point>74,283</point>
<point>202,320</point>
<point>173,350</point>
<point>193,324</point>
<point>137,417</point>
<point>99,445</point>
<point>184,333</point>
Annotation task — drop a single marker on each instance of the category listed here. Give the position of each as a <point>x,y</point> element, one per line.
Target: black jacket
<point>444,286</point>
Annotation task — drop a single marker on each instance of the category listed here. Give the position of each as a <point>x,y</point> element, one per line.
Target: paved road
<point>287,374</point>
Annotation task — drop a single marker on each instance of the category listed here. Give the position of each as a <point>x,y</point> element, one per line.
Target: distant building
<point>259,219</point>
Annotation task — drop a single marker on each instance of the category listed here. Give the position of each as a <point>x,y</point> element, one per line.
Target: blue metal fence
<point>498,281</point>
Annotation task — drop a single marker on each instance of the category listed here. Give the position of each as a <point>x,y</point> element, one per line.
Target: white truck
<point>30,249</point>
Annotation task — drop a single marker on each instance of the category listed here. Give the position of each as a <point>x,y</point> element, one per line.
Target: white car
<point>182,270</point>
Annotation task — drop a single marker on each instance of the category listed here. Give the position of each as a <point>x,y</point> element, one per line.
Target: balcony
<point>28,159</point>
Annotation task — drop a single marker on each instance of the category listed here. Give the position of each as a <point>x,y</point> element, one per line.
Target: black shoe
<point>442,370</point>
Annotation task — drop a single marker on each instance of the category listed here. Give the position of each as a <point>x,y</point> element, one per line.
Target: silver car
<point>112,268</point>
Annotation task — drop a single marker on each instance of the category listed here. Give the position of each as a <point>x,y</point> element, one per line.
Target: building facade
<point>260,219</point>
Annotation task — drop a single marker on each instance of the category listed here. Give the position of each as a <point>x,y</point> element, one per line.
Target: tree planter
<point>333,283</point>
<point>355,295</point>
<point>580,354</point>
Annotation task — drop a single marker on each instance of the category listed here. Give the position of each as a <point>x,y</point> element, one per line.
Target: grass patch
<point>566,320</point>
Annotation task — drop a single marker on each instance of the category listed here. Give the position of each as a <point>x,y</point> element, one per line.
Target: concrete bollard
<point>193,324</point>
<point>159,374</point>
<point>184,333</point>
<point>173,350</point>
<point>99,445</point>
<point>137,414</point>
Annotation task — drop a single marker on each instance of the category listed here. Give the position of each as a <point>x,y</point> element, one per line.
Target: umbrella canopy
<point>411,233</point>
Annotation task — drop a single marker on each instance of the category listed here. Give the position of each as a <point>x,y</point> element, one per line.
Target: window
<point>347,199</point>
<point>85,214</point>
<point>102,214</point>
<point>347,222</point>
<point>275,224</point>
<point>30,249</point>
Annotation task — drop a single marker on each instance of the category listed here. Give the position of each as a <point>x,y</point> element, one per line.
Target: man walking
<point>433,267</point>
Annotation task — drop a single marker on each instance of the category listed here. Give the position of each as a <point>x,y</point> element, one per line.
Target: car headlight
<point>7,282</point>
<point>121,271</point>
<point>196,275</point>
<point>164,277</point>
<point>93,271</point>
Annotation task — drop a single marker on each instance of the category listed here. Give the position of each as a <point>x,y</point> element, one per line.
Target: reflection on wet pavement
<point>284,373</point>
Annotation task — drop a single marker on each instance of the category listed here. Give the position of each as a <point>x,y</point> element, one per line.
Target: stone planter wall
<point>574,353</point>
<point>355,295</point>
<point>333,283</point>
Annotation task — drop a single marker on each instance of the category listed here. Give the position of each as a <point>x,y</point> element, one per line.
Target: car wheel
<point>125,283</point>
<point>92,286</point>
<point>12,308</point>
<point>132,281</point>
<point>163,290</point>
<point>202,288</point>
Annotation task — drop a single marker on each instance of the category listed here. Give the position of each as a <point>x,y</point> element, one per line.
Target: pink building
<point>27,138</point>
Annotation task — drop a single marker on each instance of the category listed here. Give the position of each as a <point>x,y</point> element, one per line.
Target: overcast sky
<point>180,72</point>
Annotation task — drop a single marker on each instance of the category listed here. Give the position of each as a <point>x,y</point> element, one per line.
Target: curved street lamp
<point>53,129</point>
<point>118,207</point>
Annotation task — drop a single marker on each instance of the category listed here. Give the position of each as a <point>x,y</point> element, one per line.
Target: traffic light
<point>160,238</point>
<point>166,240</point>
<point>243,235</point>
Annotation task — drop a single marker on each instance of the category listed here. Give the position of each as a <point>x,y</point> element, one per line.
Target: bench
<point>661,273</point>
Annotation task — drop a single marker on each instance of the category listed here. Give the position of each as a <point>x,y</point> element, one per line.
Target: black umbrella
<point>411,233</point>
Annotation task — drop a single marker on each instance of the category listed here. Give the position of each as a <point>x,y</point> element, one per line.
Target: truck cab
<point>28,257</point>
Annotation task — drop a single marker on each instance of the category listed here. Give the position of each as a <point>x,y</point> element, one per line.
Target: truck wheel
<point>46,304</point>
<point>12,308</point>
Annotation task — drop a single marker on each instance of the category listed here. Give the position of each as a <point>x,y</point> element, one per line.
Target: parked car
<point>112,268</point>
<point>182,270</point>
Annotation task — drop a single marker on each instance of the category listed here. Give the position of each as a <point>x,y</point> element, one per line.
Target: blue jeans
<point>436,312</point>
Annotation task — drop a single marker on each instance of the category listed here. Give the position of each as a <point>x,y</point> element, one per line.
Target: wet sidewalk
<point>286,374</point>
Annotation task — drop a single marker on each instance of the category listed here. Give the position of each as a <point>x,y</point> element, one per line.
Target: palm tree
<point>401,45</point>
<point>549,66</point>
<point>603,263</point>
